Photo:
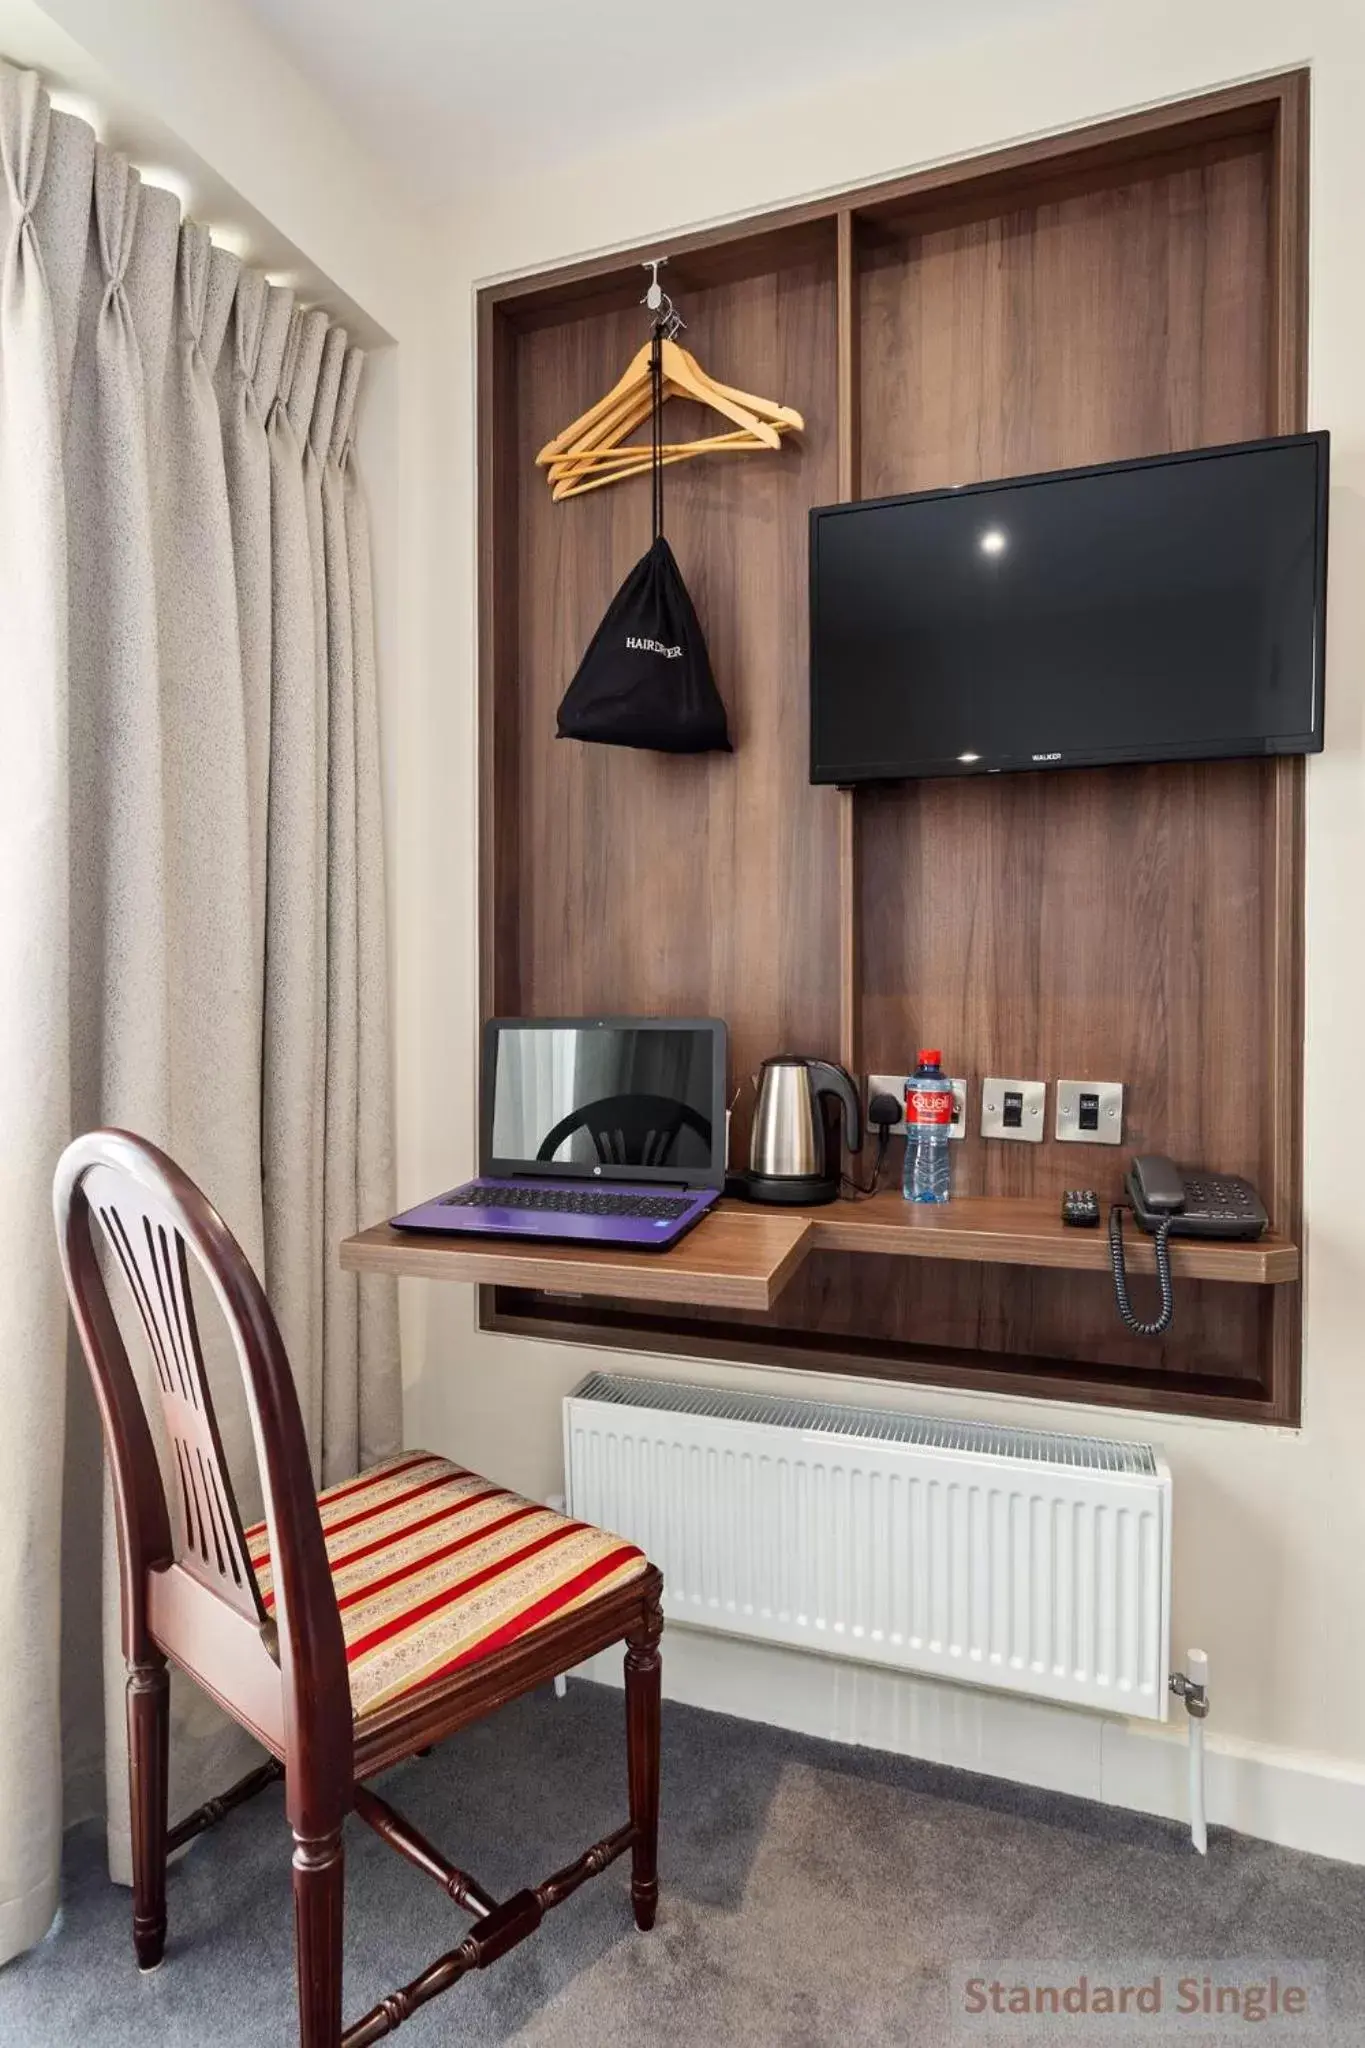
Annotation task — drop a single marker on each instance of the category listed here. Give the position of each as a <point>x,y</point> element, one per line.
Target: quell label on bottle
<point>928,1102</point>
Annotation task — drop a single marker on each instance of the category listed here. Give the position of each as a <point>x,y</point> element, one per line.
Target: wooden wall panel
<point>1121,292</point>
<point>1008,1313</point>
<point>1124,321</point>
<point>704,885</point>
<point>1107,924</point>
<point>1102,925</point>
<point>1012,1312</point>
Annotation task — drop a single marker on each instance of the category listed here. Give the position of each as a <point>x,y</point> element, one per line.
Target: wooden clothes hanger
<point>629,403</point>
<point>593,451</point>
<point>601,445</point>
<point>616,470</point>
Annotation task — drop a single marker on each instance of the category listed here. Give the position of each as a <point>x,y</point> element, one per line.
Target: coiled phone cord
<point>1163,1274</point>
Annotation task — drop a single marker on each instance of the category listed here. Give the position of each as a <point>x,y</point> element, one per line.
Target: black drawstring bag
<point>646,679</point>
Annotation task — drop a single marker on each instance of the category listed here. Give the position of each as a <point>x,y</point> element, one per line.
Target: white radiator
<point>1030,1562</point>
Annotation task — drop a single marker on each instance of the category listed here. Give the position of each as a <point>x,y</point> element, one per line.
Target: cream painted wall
<point>158,73</point>
<point>1270,1525</point>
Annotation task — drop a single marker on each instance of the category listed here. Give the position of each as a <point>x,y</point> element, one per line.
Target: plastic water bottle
<point>928,1115</point>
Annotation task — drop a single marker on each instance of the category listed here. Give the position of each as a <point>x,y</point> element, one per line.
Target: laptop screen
<point>621,1099</point>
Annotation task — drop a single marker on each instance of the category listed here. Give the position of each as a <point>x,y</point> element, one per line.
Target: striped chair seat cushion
<point>435,1568</point>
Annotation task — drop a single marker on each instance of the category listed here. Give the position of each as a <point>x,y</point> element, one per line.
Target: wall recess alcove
<point>1122,290</point>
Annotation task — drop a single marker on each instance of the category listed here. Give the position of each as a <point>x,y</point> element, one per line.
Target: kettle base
<point>784,1190</point>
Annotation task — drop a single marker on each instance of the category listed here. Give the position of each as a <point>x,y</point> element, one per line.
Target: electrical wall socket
<point>1090,1112</point>
<point>894,1084</point>
<point>1013,1109</point>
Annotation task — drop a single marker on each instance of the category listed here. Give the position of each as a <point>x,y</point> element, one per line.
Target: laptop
<point>593,1130</point>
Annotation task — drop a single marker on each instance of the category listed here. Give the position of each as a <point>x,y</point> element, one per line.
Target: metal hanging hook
<point>667,318</point>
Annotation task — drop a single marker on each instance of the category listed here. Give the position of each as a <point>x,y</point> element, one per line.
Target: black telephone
<point>1168,1202</point>
<point>1193,1204</point>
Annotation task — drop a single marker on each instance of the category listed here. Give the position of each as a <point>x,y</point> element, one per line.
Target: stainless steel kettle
<point>790,1148</point>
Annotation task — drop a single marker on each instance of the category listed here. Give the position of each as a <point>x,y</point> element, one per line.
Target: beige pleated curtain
<point>191,898</point>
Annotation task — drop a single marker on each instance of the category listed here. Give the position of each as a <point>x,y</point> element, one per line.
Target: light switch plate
<point>1013,1109</point>
<point>1090,1112</point>
<point>894,1084</point>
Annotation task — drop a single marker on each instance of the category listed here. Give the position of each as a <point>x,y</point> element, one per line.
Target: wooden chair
<point>349,1629</point>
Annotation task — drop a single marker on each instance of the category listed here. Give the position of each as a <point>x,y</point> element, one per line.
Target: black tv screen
<point>1167,609</point>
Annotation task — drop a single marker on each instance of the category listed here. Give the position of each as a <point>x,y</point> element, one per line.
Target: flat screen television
<point>1168,609</point>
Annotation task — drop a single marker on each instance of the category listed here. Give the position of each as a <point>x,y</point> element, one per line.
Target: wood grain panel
<point>1103,925</point>
<point>991,1230</point>
<point>738,1244</point>
<point>640,1327</point>
<point>849,341</point>
<point>908,1305</point>
<point>1108,324</point>
<point>738,1259</point>
<point>500,863</point>
<point>1110,924</point>
<point>704,885</point>
<point>1119,291</point>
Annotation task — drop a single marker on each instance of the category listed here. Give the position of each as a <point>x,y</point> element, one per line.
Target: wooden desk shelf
<point>742,1257</point>
<point>1002,1230</point>
<point>738,1258</point>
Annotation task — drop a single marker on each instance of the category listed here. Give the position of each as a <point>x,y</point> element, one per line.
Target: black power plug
<point>882,1112</point>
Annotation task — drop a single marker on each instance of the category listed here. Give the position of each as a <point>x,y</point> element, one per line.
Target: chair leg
<point>642,1759</point>
<point>149,1722</point>
<point>319,1879</point>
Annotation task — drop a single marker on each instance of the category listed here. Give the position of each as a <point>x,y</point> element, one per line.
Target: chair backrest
<point>630,1130</point>
<point>155,1220</point>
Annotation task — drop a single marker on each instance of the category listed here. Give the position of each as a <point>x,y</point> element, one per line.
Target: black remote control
<point>1081,1207</point>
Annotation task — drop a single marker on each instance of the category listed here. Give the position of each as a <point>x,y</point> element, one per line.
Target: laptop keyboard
<point>570,1202</point>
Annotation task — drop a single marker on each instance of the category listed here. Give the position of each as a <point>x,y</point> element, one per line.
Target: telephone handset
<point>1169,1202</point>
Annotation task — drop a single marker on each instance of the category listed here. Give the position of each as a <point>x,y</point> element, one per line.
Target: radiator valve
<point>1194,1692</point>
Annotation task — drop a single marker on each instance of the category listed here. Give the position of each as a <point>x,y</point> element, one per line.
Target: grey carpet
<point>811,1894</point>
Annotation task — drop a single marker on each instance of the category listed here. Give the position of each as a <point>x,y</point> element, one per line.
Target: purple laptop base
<point>630,1233</point>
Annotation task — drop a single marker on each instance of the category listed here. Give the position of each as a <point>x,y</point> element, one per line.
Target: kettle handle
<point>827,1079</point>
